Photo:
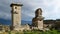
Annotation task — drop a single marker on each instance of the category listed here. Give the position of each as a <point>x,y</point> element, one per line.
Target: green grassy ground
<point>33,32</point>
<point>46,32</point>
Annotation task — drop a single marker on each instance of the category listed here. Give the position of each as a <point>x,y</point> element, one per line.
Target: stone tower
<point>16,15</point>
<point>37,21</point>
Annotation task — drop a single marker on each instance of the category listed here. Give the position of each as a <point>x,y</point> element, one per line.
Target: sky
<point>50,8</point>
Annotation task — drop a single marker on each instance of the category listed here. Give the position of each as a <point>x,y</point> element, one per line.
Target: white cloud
<point>50,8</point>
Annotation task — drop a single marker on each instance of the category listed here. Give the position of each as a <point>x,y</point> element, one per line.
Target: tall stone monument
<point>16,15</point>
<point>37,21</point>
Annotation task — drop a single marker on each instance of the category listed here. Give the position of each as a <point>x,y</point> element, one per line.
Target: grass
<point>42,32</point>
<point>34,32</point>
